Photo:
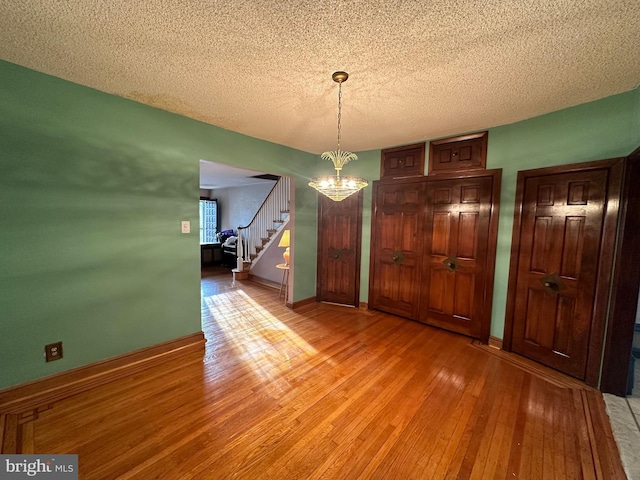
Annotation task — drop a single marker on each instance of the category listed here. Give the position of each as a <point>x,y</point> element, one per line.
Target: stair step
<point>254,248</point>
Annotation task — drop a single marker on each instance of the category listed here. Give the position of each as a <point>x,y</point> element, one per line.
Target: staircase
<point>270,218</point>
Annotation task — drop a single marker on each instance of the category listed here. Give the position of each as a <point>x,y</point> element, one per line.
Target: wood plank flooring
<point>326,392</point>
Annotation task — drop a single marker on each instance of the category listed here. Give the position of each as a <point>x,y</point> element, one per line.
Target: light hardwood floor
<point>329,392</point>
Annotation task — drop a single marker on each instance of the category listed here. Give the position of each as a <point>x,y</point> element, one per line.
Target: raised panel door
<point>396,248</point>
<point>458,153</point>
<point>401,162</point>
<point>339,233</point>
<point>457,231</point>
<point>560,237</point>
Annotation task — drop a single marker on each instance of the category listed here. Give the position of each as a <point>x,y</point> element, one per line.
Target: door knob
<point>397,257</point>
<point>337,253</point>
<point>552,283</point>
<point>451,263</point>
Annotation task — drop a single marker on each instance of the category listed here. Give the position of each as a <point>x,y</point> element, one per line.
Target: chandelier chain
<point>339,111</point>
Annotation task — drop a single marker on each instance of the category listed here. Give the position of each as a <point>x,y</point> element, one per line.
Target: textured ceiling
<point>418,69</point>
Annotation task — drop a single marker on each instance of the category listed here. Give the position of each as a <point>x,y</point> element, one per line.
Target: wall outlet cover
<point>53,351</point>
<point>185,226</point>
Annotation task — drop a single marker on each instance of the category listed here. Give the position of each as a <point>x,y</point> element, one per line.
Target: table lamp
<point>284,242</point>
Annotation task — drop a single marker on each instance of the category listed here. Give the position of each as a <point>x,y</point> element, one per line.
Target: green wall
<point>93,188</point>
<point>92,191</point>
<point>597,130</point>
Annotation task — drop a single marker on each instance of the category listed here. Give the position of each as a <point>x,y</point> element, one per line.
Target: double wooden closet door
<point>433,249</point>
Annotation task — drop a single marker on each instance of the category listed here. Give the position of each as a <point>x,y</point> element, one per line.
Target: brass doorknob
<point>451,263</point>
<point>552,283</point>
<point>397,257</point>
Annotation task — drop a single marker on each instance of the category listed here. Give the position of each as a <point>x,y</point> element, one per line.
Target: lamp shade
<point>285,239</point>
<point>284,242</point>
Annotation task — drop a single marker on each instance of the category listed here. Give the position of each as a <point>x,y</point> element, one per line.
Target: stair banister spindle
<point>250,237</point>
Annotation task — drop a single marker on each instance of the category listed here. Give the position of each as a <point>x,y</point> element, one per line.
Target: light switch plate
<point>186,226</point>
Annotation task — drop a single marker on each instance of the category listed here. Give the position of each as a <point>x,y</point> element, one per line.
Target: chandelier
<point>337,187</point>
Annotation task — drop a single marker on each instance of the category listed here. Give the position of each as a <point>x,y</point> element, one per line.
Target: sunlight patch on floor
<point>263,341</point>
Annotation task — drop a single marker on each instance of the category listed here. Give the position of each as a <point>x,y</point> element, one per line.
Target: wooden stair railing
<point>269,218</point>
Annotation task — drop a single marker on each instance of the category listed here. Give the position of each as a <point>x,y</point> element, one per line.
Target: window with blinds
<point>208,220</point>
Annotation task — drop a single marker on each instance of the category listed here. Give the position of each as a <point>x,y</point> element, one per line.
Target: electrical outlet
<point>53,351</point>
<point>185,226</point>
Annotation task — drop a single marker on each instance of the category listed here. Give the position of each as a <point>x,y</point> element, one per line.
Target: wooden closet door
<point>339,240</point>
<point>457,248</point>
<point>560,237</point>
<point>397,240</point>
